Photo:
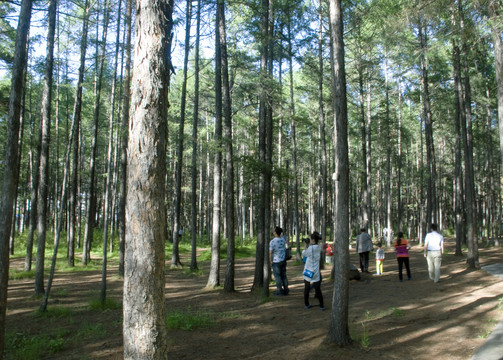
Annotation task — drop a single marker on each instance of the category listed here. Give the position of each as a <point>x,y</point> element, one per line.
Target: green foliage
<point>189,320</point>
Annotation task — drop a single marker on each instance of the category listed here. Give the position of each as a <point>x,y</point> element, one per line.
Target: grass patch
<point>90,331</point>
<point>190,320</point>
<point>396,312</point>
<point>360,334</point>
<point>109,304</point>
<point>53,313</point>
<point>31,347</point>
<point>15,274</point>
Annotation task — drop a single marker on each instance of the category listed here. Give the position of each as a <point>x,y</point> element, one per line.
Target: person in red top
<point>402,255</point>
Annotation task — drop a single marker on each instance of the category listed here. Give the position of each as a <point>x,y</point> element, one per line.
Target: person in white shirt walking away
<point>433,250</point>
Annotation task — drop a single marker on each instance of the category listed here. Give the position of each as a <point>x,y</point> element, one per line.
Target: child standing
<point>379,259</point>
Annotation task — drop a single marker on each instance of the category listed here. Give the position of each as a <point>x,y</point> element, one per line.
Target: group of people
<point>311,255</point>
<point>433,250</point>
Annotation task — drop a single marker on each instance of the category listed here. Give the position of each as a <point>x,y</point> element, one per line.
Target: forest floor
<point>388,319</point>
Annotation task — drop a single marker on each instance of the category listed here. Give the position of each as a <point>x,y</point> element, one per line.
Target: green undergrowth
<point>190,320</point>
<point>23,345</point>
<point>30,347</point>
<point>108,304</point>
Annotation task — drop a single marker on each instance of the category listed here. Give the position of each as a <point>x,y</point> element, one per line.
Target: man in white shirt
<point>433,250</point>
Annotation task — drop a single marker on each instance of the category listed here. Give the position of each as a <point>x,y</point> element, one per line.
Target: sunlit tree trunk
<point>144,327</point>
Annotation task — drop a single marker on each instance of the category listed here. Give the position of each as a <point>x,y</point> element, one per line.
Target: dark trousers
<point>317,291</point>
<point>279,271</point>
<point>364,261</point>
<point>403,261</point>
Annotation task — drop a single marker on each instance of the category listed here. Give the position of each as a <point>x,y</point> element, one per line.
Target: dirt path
<point>388,319</point>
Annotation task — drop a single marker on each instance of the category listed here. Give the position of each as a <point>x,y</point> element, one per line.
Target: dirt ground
<point>388,319</point>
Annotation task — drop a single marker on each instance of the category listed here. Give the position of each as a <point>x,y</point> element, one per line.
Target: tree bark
<point>431,211</point>
<point>109,165</point>
<point>466,125</point>
<point>77,115</point>
<point>91,201</point>
<point>497,31</point>
<point>144,326</point>
<point>214,275</point>
<point>229,162</point>
<point>43,186</point>
<point>338,331</point>
<point>195,123</point>
<point>11,171</point>
<point>121,216</point>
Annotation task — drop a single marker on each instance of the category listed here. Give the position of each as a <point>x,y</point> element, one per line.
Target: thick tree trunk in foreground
<point>10,177</point>
<point>144,325</point>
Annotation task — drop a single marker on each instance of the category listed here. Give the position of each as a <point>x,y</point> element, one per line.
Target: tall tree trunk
<point>431,211</point>
<point>108,180</point>
<point>214,275</point>
<point>268,146</point>
<point>144,326</point>
<point>229,162</point>
<point>43,183</point>
<point>323,142</point>
<point>458,175</point>
<point>11,171</point>
<point>195,123</point>
<point>260,263</point>
<point>121,216</point>
<point>35,161</point>
<point>91,196</point>
<point>388,127</point>
<point>293,131</point>
<point>399,159</point>
<point>497,32</point>
<point>175,259</point>
<point>77,114</point>
<point>338,331</point>
<point>466,125</point>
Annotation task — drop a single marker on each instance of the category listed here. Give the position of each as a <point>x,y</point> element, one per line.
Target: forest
<point>323,116</point>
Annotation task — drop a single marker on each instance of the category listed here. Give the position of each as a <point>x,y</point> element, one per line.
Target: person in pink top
<point>402,255</point>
